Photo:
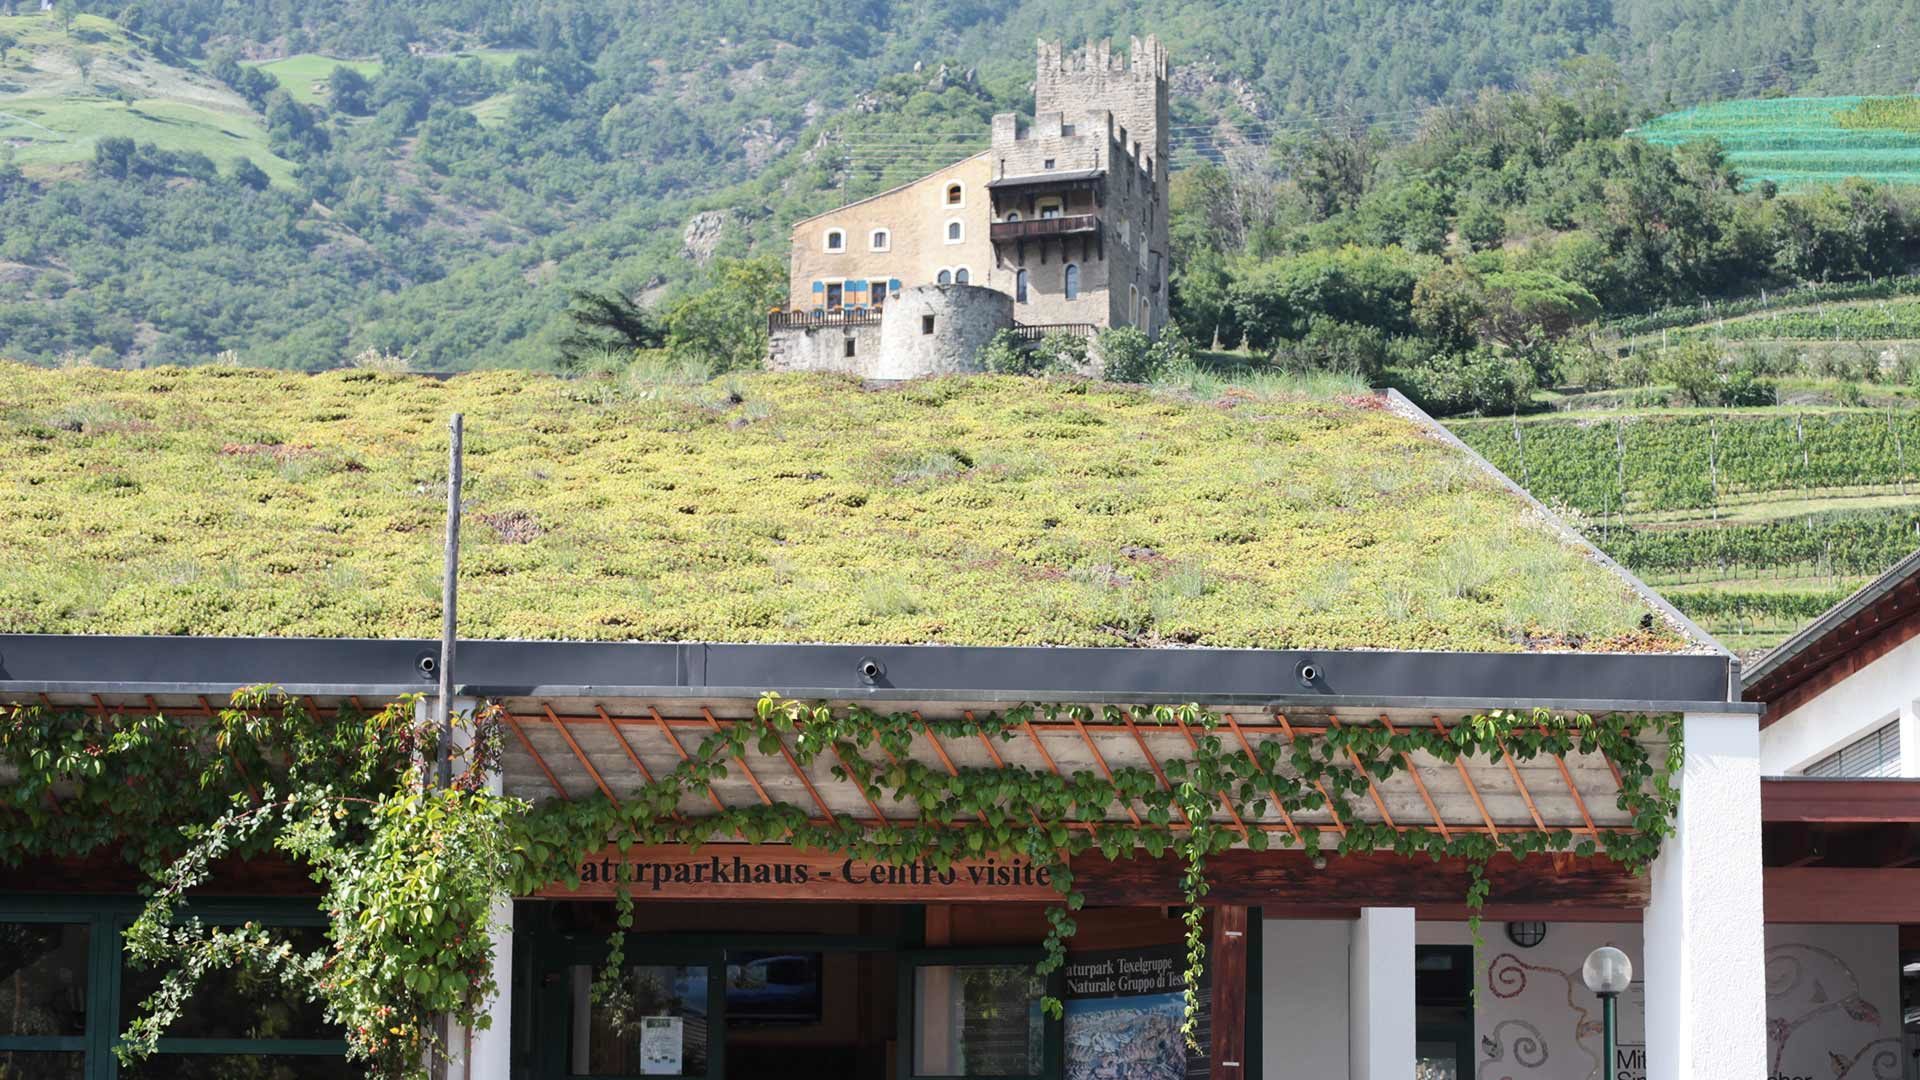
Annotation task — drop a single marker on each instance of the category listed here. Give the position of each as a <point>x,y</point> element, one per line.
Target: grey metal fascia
<point>1574,536</point>
<point>1809,635</point>
<point>32,664</point>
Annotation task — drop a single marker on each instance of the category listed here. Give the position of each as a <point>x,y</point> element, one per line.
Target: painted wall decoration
<point>1820,1023</point>
<point>1832,1005</point>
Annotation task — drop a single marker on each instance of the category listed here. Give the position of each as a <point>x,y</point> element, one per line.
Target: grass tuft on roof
<point>784,508</point>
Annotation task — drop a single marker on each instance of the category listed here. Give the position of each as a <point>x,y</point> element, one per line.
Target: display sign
<point>660,1040</point>
<point>1123,1013</point>
<point>778,872</point>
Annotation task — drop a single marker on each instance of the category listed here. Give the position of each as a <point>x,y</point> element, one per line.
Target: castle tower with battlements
<point>1067,215</point>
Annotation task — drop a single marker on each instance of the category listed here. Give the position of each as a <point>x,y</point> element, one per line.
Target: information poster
<point>660,1041</point>
<point>1123,1014</point>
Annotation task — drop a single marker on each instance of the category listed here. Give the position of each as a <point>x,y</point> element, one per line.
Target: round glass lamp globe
<point>1607,971</point>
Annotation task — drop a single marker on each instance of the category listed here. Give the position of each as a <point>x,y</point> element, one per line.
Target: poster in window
<point>660,1042</point>
<point>1123,1013</point>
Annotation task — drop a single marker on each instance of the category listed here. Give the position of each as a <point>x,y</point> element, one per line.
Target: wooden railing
<point>807,320</point>
<point>1041,228</point>
<point>1036,331</point>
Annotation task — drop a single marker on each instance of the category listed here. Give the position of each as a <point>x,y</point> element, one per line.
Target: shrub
<point>1005,354</point>
<point>1061,352</point>
<point>1129,356</point>
<point>1475,380</point>
<point>1330,345</point>
<point>1703,376</point>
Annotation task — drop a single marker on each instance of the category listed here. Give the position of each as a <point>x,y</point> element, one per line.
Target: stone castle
<point>1057,225</point>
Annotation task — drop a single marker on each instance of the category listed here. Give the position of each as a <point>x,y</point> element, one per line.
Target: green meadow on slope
<point>61,93</point>
<point>1798,141</point>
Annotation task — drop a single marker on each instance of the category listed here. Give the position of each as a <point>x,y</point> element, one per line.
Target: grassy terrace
<point>770,508</point>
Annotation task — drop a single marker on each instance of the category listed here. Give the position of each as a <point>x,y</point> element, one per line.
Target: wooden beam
<point>1282,881</point>
<point>1844,800</point>
<point>1227,966</point>
<point>1842,895</point>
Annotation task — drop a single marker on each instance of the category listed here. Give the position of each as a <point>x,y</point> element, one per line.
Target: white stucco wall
<point>1303,999</point>
<point>1833,997</point>
<point>1881,691</point>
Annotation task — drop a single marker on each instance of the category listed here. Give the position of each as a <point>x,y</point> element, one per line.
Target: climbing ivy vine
<point>410,872</point>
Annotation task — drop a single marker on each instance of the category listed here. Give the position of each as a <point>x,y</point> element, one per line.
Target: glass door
<point>663,1018</point>
<point>975,1013</point>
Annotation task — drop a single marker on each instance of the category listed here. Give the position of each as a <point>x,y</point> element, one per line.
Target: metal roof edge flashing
<point>31,664</point>
<point>1572,535</point>
<point>1827,621</point>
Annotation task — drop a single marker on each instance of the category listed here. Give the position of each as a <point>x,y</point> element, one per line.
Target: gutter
<point>32,664</point>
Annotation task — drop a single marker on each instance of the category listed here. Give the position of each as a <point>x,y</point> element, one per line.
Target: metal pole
<point>1609,1039</point>
<point>449,598</point>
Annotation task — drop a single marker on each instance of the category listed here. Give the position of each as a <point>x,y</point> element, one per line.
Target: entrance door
<point>1443,1012</point>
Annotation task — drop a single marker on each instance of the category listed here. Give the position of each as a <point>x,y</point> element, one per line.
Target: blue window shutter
<point>893,285</point>
<point>857,285</point>
<point>819,286</point>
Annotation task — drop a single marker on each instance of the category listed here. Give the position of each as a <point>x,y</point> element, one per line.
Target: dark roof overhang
<point>1045,179</point>
<point>64,664</point>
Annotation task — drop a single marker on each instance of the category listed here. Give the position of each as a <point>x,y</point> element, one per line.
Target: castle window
<point>944,277</point>
<point>960,276</point>
<point>835,295</point>
<point>1020,287</point>
<point>1047,164</point>
<point>1066,131</point>
<point>879,240</point>
<point>1049,210</point>
<point>926,324</point>
<point>954,231</point>
<point>1073,282</point>
<point>1013,215</point>
<point>850,346</point>
<point>1133,303</point>
<point>836,240</point>
<point>956,195</point>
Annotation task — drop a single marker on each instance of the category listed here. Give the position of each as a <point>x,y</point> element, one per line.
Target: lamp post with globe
<point>1607,973</point>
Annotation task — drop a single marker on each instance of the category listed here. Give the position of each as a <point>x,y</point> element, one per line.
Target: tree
<point>82,58</point>
<point>66,11</point>
<point>7,42</point>
<point>725,326</point>
<point>347,91</point>
<point>113,157</point>
<point>247,174</point>
<point>604,322</point>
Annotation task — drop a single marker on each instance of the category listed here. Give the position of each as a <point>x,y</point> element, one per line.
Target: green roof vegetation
<point>793,508</point>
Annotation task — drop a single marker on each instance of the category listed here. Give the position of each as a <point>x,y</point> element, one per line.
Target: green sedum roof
<point>789,508</point>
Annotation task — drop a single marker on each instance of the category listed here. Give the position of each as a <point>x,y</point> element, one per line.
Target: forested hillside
<point>187,178</point>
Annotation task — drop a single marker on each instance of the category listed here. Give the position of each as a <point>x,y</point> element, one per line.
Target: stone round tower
<point>938,330</point>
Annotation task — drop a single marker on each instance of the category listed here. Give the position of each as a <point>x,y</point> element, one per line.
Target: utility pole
<point>449,601</point>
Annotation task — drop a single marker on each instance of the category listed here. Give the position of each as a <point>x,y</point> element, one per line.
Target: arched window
<point>1013,215</point>
<point>955,232</point>
<point>960,276</point>
<point>879,240</point>
<point>1073,282</point>
<point>1020,287</point>
<point>956,195</point>
<point>945,277</point>
<point>836,240</point>
<point>1133,303</point>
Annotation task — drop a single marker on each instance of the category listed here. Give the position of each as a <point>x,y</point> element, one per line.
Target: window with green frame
<point>66,992</point>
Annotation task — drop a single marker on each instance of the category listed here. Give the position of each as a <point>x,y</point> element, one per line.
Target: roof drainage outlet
<point>1308,673</point>
<point>871,671</point>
